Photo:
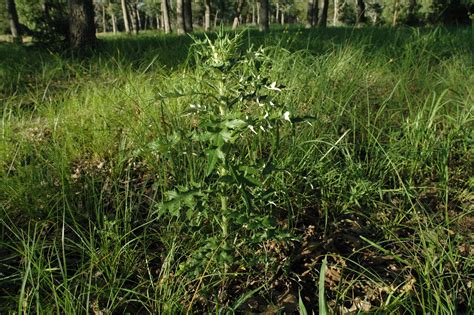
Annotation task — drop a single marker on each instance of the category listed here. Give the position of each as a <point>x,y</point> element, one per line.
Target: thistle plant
<point>235,101</point>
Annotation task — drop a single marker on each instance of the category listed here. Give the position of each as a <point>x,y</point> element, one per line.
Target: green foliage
<point>233,99</point>
<point>4,24</point>
<point>132,182</point>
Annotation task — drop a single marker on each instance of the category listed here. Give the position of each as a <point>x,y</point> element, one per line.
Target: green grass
<point>114,197</point>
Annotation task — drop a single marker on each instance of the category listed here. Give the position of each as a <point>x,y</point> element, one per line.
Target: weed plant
<point>302,170</point>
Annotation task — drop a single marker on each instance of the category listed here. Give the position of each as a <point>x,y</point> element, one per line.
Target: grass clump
<point>226,173</point>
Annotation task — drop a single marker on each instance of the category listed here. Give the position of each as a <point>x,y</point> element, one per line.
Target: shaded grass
<point>381,180</point>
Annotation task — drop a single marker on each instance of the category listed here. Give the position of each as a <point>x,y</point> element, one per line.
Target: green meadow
<point>326,170</point>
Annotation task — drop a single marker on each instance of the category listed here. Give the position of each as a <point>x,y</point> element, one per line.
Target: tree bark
<point>114,24</point>
<point>277,12</point>
<point>165,16</point>
<point>126,20</point>
<point>188,16</point>
<point>395,12</point>
<point>135,22</point>
<point>336,13</point>
<point>264,13</point>
<point>216,17</point>
<point>254,20</point>
<point>361,12</point>
<point>104,21</point>
<point>14,24</point>
<point>237,13</point>
<point>312,13</point>
<point>207,15</point>
<point>323,13</point>
<point>180,27</point>
<point>81,24</point>
<point>139,19</point>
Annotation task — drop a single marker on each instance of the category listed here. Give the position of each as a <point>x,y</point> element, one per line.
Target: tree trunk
<point>207,15</point>
<point>312,13</point>
<point>114,24</point>
<point>361,12</point>
<point>134,16</point>
<point>14,24</point>
<point>104,21</point>
<point>188,16</point>
<point>158,22</point>
<point>264,13</point>
<point>126,20</point>
<point>180,27</point>
<point>258,12</point>
<point>165,16</point>
<point>216,18</point>
<point>238,11</point>
<point>323,13</point>
<point>277,13</point>
<point>254,20</point>
<point>81,24</point>
<point>282,20</point>
<point>336,13</point>
<point>139,19</point>
<point>395,12</point>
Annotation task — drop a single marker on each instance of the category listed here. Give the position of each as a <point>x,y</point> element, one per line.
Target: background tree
<point>180,26</point>
<point>264,15</point>
<point>312,13</point>
<point>188,16</point>
<point>207,15</point>
<point>14,24</point>
<point>81,24</point>
<point>125,14</point>
<point>323,13</point>
<point>165,16</point>
<point>361,12</point>
<point>237,14</point>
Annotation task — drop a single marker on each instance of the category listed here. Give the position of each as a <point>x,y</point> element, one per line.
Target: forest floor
<point>294,171</point>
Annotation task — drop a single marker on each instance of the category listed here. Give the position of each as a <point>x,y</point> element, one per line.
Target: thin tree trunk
<point>258,12</point>
<point>81,24</point>
<point>207,15</point>
<point>264,14</point>
<point>336,13</point>
<point>216,18</point>
<point>361,12</point>
<point>104,21</point>
<point>312,13</point>
<point>114,23</point>
<point>135,22</point>
<point>158,22</point>
<point>282,20</point>
<point>14,24</point>
<point>395,12</point>
<point>139,19</point>
<point>188,16</point>
<point>238,11</point>
<point>277,13</point>
<point>254,20</point>
<point>165,16</point>
<point>323,13</point>
<point>126,20</point>
<point>180,27</point>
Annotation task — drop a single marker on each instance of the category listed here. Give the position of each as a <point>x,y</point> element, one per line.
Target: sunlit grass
<point>379,177</point>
